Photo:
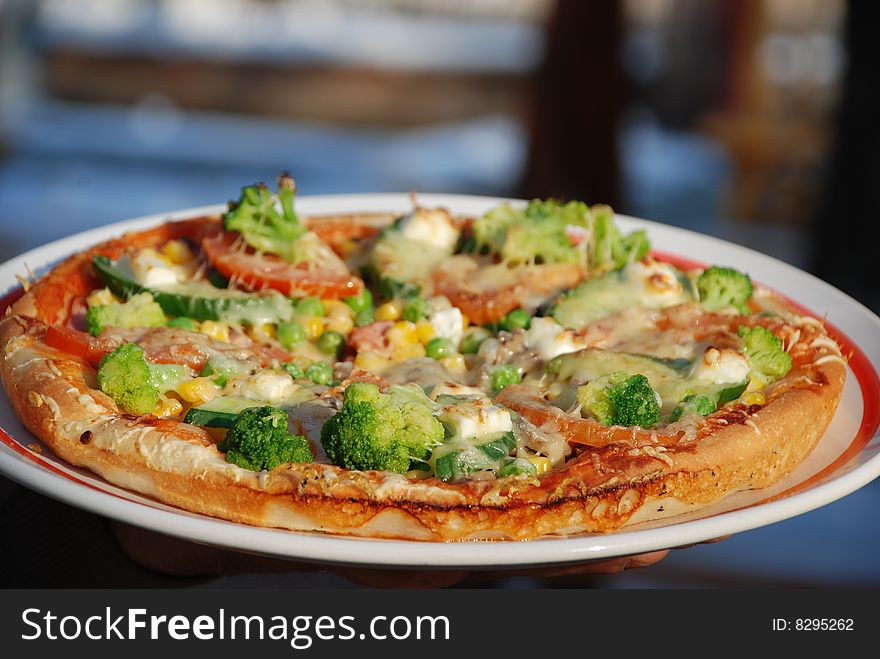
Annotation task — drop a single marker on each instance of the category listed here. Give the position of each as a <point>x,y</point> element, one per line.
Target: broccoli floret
<point>551,232</point>
<point>632,247</point>
<point>538,244</point>
<point>721,287</point>
<point>767,359</point>
<point>265,227</point>
<point>258,439</point>
<point>140,310</point>
<point>134,383</point>
<point>610,249</point>
<point>490,230</point>
<point>620,399</point>
<point>538,233</point>
<point>124,375</point>
<point>381,431</point>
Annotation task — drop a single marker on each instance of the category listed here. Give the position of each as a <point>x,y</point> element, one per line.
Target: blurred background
<point>750,120</point>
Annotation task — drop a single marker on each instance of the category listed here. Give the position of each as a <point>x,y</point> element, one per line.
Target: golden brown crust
<point>600,490</point>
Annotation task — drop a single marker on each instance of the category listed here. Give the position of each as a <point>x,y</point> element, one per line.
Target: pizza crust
<point>600,490</point>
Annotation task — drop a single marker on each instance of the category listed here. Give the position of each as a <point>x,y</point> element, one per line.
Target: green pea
<point>222,369</point>
<point>291,333</point>
<point>364,317</point>
<point>331,343</point>
<point>416,309</point>
<point>293,370</point>
<point>473,339</point>
<point>517,319</point>
<point>439,347</point>
<point>361,301</point>
<point>320,373</point>
<point>220,380</point>
<point>505,375</point>
<point>182,322</point>
<point>311,306</point>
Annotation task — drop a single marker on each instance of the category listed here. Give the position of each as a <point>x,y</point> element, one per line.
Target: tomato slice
<point>525,400</point>
<point>480,307</point>
<point>485,298</point>
<point>77,343</point>
<point>259,271</point>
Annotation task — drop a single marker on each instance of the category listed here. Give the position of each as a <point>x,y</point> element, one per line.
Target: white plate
<point>845,459</point>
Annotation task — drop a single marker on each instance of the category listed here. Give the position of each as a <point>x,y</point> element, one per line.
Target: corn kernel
<point>425,330</point>
<point>262,332</point>
<point>215,330</point>
<point>177,251</point>
<point>465,321</point>
<point>371,361</point>
<point>341,324</point>
<point>402,333</point>
<point>408,351</point>
<point>314,326</point>
<point>347,248</point>
<point>455,364</point>
<point>541,463</point>
<point>388,311</point>
<point>756,384</point>
<point>338,309</point>
<point>754,398</point>
<point>98,298</point>
<point>198,390</point>
<point>167,407</point>
<point>151,254</point>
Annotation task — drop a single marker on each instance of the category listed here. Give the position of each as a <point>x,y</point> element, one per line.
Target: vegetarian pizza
<point>528,372</point>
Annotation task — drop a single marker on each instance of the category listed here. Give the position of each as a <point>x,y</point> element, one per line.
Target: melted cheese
<point>550,339</point>
<point>432,226</point>
<point>720,367</point>
<point>265,386</point>
<point>402,259</point>
<point>151,269</point>
<point>448,324</point>
<point>454,389</point>
<point>654,284</point>
<point>470,420</point>
<point>647,284</point>
<point>633,330</point>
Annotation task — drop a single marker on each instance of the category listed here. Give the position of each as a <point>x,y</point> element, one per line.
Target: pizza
<point>532,371</point>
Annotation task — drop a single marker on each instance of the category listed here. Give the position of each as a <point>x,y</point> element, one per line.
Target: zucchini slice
<point>220,412</point>
<point>198,299</point>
